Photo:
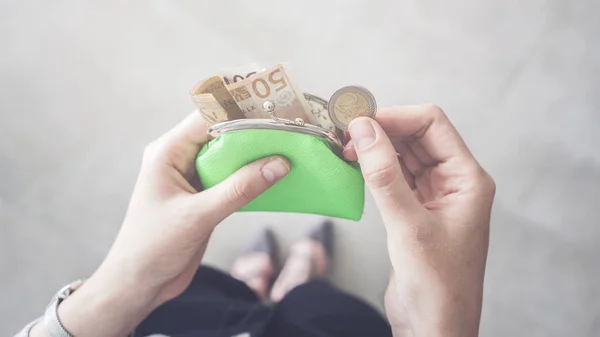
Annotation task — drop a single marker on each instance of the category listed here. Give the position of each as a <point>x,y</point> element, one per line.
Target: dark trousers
<point>215,304</point>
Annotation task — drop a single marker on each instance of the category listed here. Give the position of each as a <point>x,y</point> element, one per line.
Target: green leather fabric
<point>319,181</point>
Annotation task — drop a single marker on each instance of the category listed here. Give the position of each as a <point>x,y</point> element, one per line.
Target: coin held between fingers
<point>351,102</point>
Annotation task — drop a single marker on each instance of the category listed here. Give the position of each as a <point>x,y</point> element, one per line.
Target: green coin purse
<point>320,181</point>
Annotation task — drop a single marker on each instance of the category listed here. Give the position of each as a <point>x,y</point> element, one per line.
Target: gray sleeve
<point>25,331</point>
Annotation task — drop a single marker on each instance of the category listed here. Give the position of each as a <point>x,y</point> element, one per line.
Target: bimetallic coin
<point>351,102</point>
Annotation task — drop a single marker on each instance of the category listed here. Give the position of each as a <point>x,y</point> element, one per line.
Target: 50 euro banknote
<point>272,84</point>
<point>241,92</point>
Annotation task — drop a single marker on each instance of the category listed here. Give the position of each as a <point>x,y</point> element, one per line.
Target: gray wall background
<point>84,86</point>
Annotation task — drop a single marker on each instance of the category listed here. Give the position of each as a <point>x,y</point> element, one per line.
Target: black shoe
<point>323,234</point>
<point>264,242</point>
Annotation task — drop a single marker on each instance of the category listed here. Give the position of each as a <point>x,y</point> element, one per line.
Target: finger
<point>419,151</point>
<point>181,144</point>
<point>242,187</point>
<point>349,152</point>
<point>410,160</point>
<point>408,176</point>
<point>350,155</point>
<point>429,126</point>
<point>381,168</point>
<point>195,183</point>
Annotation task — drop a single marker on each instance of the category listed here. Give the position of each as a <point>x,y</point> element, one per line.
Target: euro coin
<point>349,103</point>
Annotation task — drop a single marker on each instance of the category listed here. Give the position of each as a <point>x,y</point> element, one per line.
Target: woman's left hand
<point>165,233</point>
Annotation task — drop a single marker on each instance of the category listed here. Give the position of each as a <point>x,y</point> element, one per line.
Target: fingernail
<point>362,132</point>
<point>275,169</point>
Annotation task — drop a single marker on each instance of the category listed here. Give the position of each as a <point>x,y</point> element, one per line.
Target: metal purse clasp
<point>275,123</point>
<point>269,107</point>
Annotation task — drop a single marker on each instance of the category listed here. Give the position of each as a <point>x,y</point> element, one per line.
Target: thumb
<point>243,186</point>
<point>381,168</point>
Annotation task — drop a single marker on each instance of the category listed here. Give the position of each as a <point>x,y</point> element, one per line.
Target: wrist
<point>436,313</point>
<point>106,305</point>
<point>453,317</point>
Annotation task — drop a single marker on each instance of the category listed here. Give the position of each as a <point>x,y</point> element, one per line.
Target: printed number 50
<point>265,88</point>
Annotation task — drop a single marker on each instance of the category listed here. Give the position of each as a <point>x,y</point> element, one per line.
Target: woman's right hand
<point>435,201</point>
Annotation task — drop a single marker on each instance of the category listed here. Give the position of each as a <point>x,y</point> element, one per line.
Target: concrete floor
<point>84,87</point>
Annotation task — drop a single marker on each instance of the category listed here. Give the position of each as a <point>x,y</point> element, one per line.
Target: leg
<point>213,284</point>
<point>214,302</point>
<point>311,306</point>
<point>317,306</point>
<point>219,303</point>
<point>309,258</point>
<point>256,266</point>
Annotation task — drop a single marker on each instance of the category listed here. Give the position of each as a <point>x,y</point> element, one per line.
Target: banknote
<point>272,84</point>
<point>212,111</point>
<point>209,107</point>
<point>318,109</point>
<point>232,75</point>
